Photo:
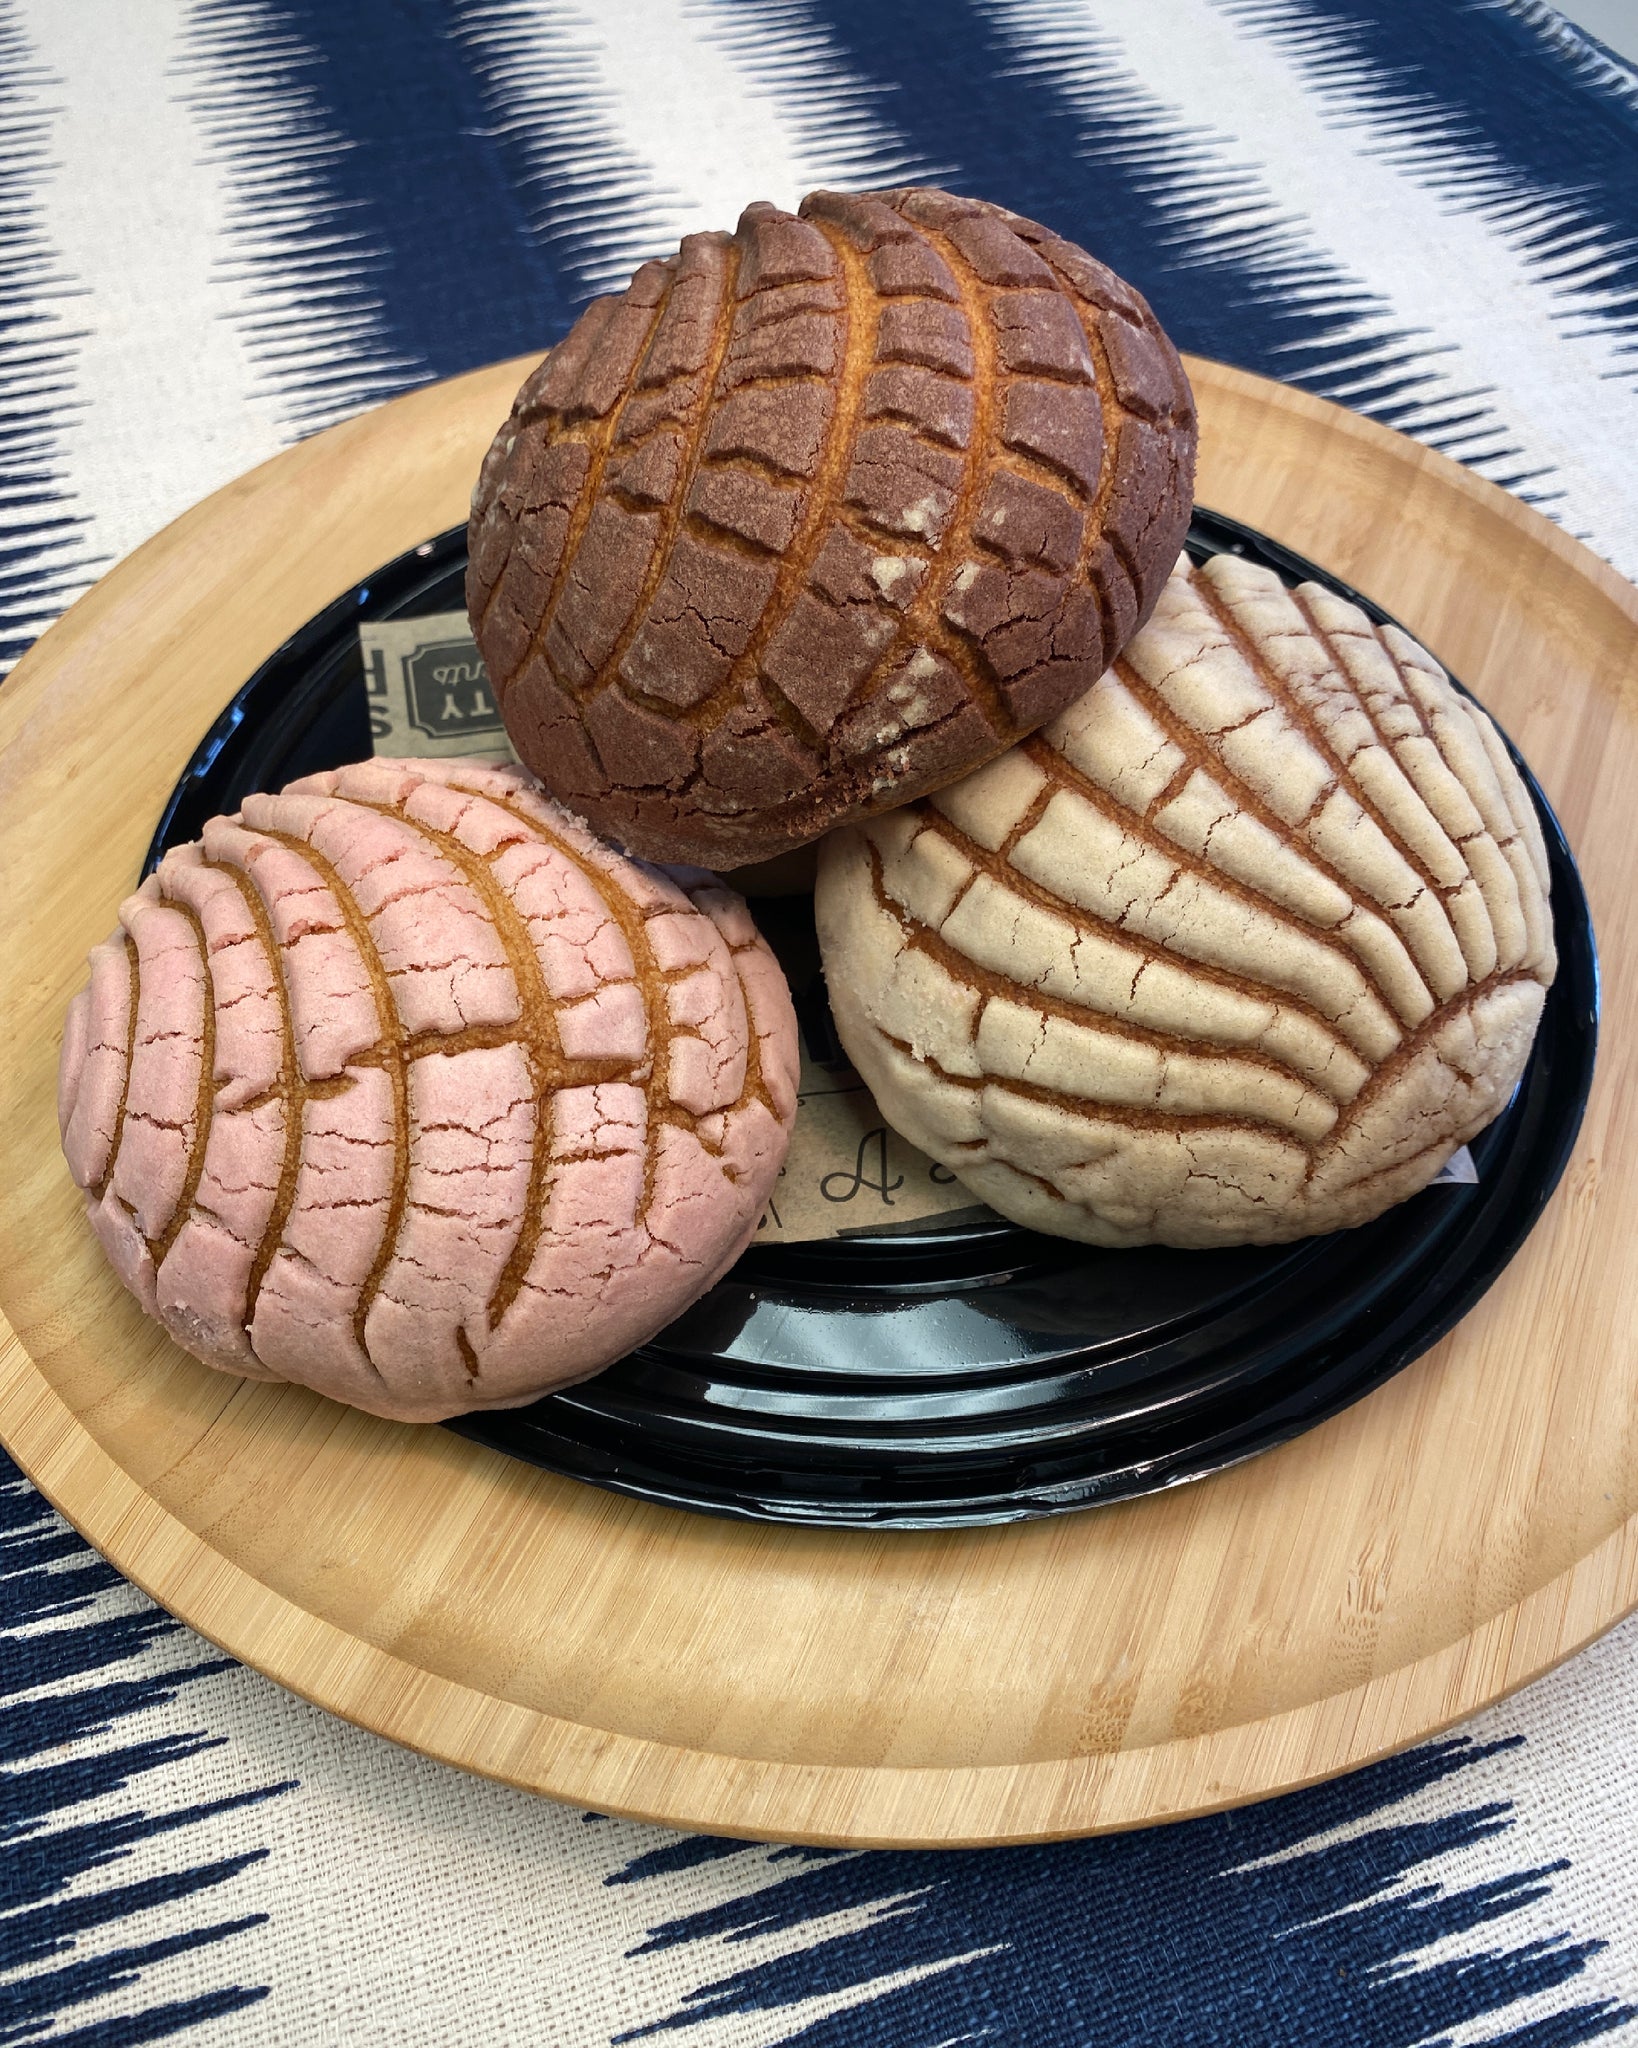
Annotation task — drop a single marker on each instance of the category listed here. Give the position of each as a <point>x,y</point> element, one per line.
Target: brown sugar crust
<point>816,517</point>
<point>1240,948</point>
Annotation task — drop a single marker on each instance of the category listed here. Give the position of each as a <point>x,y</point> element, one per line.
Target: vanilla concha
<point>404,1087</point>
<point>1239,949</point>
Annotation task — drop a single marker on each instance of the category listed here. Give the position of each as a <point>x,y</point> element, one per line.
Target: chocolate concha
<point>402,1086</point>
<point>1239,949</point>
<point>818,516</point>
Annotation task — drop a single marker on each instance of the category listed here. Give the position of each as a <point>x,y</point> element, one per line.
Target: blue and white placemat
<point>224,223</point>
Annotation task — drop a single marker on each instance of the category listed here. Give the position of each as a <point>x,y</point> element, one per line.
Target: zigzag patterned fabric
<point>226,223</point>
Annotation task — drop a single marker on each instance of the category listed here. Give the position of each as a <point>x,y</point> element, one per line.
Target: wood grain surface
<point>1390,1572</point>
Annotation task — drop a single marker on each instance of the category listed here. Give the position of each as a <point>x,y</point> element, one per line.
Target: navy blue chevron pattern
<point>401,151</point>
<point>410,188</point>
<point>1319,1908</point>
<point>42,557</point>
<point>1070,136</point>
<point>581,182</point>
<point>791,48</point>
<point>1457,93</point>
<point>307,229</point>
<point>63,1755</point>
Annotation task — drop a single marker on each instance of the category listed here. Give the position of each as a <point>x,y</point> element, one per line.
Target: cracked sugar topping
<point>1238,949</point>
<point>402,1086</point>
<point>903,437</point>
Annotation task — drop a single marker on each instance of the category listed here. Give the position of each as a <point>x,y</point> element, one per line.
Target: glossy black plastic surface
<point>973,1372</point>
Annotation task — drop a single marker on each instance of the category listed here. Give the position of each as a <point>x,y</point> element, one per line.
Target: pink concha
<point>403,1086</point>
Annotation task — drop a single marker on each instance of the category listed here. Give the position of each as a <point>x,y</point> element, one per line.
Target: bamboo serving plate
<point>1450,1537</point>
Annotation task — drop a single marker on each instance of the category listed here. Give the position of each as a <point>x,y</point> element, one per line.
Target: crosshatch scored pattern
<point>815,515</point>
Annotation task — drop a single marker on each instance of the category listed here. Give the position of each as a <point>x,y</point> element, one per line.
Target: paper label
<point>848,1170</point>
<point>429,690</point>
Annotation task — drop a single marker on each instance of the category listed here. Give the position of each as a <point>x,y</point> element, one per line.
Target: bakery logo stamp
<point>447,687</point>
<point>848,1170</point>
<point>429,691</point>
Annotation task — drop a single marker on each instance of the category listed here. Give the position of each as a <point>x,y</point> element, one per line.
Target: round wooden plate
<point>1442,1542</point>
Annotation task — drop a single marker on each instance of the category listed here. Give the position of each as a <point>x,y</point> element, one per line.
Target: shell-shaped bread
<point>819,515</point>
<point>402,1086</point>
<point>1239,949</point>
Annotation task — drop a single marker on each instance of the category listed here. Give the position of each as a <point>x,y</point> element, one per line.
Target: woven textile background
<point>224,223</point>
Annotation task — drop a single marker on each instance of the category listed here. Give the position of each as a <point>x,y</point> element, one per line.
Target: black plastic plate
<point>973,1372</point>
